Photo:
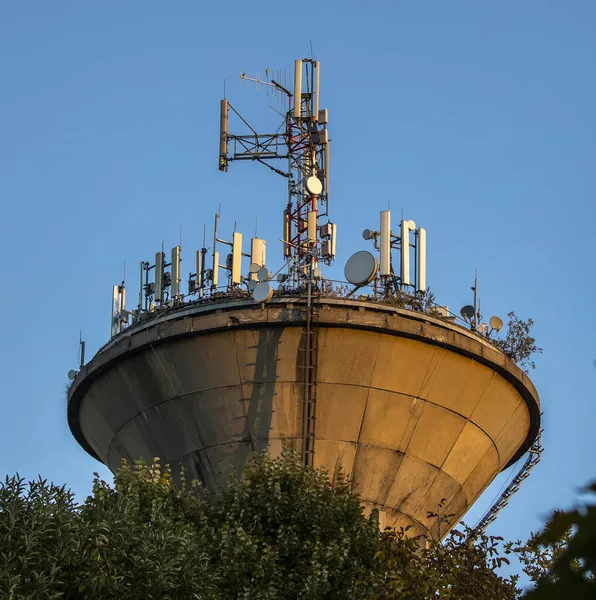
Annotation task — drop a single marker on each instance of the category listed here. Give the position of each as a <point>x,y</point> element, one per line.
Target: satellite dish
<point>467,312</point>
<point>314,186</point>
<point>281,277</point>
<point>361,268</point>
<point>367,234</point>
<point>483,328</point>
<point>412,224</point>
<point>72,374</point>
<point>254,268</point>
<point>263,292</point>
<point>263,274</point>
<point>252,284</point>
<point>496,323</point>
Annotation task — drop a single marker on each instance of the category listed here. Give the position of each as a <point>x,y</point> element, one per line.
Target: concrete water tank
<point>414,408</point>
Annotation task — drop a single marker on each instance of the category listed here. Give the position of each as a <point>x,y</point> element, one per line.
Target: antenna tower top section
<point>302,143</point>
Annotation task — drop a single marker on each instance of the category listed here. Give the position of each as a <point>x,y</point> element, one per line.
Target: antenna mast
<point>302,140</point>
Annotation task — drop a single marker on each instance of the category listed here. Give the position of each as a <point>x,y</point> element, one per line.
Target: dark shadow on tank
<point>260,403</point>
<point>255,437</point>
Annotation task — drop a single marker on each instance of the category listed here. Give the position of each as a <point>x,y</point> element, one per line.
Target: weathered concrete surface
<point>413,408</point>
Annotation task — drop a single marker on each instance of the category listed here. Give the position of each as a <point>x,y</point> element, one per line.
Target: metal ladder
<point>309,410</point>
<point>533,458</point>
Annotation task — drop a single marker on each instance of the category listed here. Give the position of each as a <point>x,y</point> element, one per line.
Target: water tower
<point>416,405</point>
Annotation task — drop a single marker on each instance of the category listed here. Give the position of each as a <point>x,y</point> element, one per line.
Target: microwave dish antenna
<point>467,312</point>
<point>361,268</point>
<point>314,186</point>
<point>263,274</point>
<point>496,323</point>
<point>263,292</point>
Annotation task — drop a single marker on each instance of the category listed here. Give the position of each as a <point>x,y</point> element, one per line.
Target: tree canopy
<point>280,531</point>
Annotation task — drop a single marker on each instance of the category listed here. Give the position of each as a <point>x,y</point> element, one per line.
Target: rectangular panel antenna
<point>317,76</point>
<point>223,135</point>
<point>286,234</point>
<point>258,249</point>
<point>236,258</point>
<point>385,235</point>
<point>175,272</point>
<point>405,252</point>
<point>312,225</point>
<point>158,297</point>
<point>333,239</point>
<point>298,89</point>
<point>327,159</point>
<point>200,276</point>
<point>421,259</point>
<point>141,286</point>
<point>215,275</point>
<point>116,308</point>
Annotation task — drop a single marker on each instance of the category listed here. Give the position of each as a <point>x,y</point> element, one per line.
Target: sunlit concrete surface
<point>413,408</point>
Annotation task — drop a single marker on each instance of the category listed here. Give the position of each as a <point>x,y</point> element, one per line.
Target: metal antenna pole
<point>475,290</point>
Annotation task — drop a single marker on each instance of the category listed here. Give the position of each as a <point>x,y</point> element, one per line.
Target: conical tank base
<point>415,410</point>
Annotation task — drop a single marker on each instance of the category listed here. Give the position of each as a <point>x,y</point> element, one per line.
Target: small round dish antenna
<point>483,328</point>
<point>467,312</point>
<point>263,274</point>
<point>263,292</point>
<point>314,186</point>
<point>252,284</point>
<point>367,234</point>
<point>72,374</point>
<point>496,323</point>
<point>254,268</point>
<point>361,268</point>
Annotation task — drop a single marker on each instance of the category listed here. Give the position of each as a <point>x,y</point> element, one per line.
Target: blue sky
<point>477,118</point>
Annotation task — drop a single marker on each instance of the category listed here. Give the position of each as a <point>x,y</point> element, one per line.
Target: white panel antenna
<point>385,235</point>
<point>406,227</point>
<point>215,273</point>
<point>258,252</point>
<point>175,272</point>
<point>317,79</point>
<point>298,89</point>
<point>116,307</point>
<point>333,239</point>
<point>421,259</point>
<point>159,279</point>
<point>119,312</point>
<point>236,275</point>
<point>312,226</point>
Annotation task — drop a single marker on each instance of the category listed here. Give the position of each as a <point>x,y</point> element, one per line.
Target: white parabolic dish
<point>314,186</point>
<point>361,268</point>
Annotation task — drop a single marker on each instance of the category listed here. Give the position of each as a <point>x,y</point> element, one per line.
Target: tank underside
<point>413,408</point>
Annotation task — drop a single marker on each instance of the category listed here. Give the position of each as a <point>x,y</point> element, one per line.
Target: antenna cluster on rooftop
<point>298,151</point>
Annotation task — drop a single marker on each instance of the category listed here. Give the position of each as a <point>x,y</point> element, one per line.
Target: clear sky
<point>478,118</point>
